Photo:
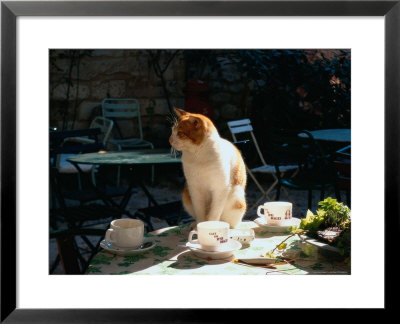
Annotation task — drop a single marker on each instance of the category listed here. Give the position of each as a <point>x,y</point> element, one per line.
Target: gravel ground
<point>166,190</point>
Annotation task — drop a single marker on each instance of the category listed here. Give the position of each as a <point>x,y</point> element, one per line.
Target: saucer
<point>278,228</point>
<point>114,249</point>
<point>224,253</point>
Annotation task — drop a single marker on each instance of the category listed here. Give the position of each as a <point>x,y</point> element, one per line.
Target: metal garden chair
<point>244,126</point>
<point>77,216</point>
<point>105,125</point>
<point>127,109</point>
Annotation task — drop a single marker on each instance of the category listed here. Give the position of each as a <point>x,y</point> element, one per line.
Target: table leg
<point>122,206</point>
<point>148,194</point>
<point>107,200</point>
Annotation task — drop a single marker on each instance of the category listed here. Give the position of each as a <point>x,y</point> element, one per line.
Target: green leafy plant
<point>330,215</point>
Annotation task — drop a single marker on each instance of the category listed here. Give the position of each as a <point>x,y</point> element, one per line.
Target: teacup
<point>211,235</point>
<point>275,212</point>
<point>126,233</point>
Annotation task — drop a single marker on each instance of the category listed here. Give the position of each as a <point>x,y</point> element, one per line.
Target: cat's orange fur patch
<point>239,171</point>
<point>193,126</point>
<point>239,205</point>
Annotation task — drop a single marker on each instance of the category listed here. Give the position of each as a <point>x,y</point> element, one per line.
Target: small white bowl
<point>244,235</point>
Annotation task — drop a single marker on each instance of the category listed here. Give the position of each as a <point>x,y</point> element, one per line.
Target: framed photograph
<point>38,37</point>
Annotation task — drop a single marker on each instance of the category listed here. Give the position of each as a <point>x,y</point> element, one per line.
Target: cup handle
<point>191,235</point>
<point>109,235</point>
<point>261,207</point>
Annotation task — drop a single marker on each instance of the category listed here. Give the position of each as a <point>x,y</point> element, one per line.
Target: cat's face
<point>190,130</point>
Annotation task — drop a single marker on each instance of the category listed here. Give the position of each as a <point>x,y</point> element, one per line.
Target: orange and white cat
<point>214,170</point>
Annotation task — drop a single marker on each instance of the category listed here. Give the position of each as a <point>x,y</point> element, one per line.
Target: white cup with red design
<point>275,212</point>
<point>211,235</point>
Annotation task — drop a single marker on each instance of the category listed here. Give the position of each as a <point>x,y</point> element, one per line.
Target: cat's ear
<point>196,122</point>
<point>179,112</point>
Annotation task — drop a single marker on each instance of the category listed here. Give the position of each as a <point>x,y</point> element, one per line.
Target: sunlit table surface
<point>170,256</point>
<point>126,157</point>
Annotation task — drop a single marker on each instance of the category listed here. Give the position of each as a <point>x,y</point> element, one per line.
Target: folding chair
<point>105,125</point>
<point>74,217</point>
<point>244,126</point>
<point>126,109</point>
<point>61,147</point>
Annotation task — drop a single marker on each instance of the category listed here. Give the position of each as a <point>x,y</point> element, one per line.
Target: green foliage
<point>312,222</point>
<point>331,213</point>
<point>335,214</point>
<point>300,89</point>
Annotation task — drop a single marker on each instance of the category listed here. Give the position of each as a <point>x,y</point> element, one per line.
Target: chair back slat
<point>114,113</point>
<point>235,123</point>
<point>117,107</point>
<point>244,126</point>
<point>123,108</point>
<point>120,105</point>
<point>241,129</point>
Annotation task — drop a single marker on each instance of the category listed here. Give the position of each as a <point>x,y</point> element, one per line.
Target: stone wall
<point>128,74</point>
<point>118,74</point>
<point>229,95</point>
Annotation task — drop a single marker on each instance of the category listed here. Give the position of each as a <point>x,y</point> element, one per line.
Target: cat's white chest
<point>207,172</point>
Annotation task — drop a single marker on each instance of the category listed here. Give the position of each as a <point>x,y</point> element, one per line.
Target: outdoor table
<point>331,140</point>
<point>170,256</point>
<point>341,135</point>
<point>127,159</point>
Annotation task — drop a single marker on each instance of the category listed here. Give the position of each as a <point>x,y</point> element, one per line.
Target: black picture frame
<point>11,10</point>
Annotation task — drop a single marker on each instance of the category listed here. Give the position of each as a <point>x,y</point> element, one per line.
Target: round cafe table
<point>170,256</point>
<point>127,159</point>
<point>340,135</point>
